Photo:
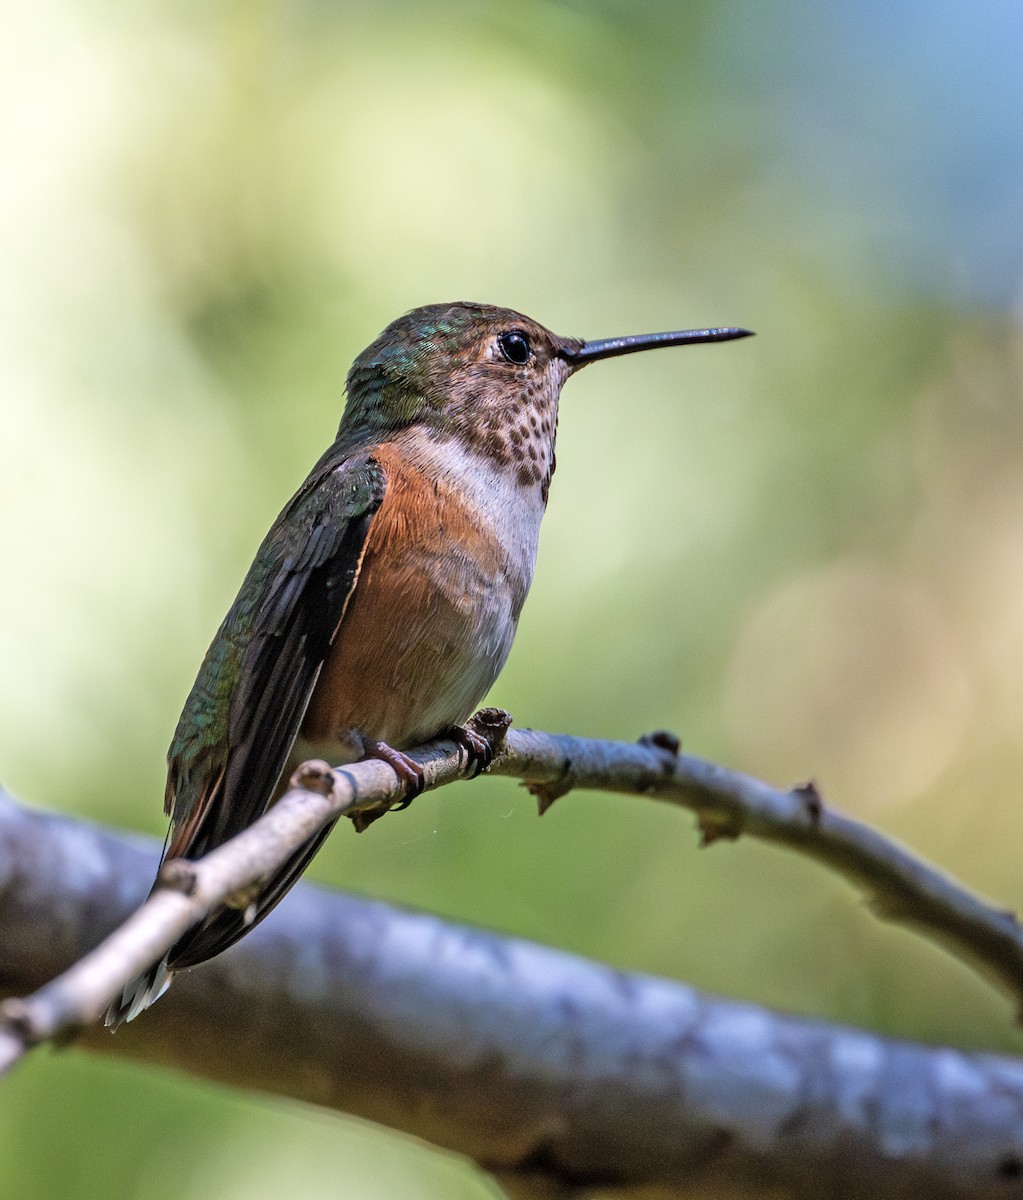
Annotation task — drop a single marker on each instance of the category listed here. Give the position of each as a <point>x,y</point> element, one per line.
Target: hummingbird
<point>382,603</point>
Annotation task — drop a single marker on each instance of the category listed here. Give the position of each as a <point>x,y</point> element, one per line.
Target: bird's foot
<point>408,771</point>
<point>478,751</point>
<point>482,738</point>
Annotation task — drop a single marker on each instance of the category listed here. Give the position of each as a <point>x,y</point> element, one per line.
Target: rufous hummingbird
<point>383,602</point>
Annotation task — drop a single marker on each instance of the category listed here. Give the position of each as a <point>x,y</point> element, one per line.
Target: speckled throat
<point>517,438</point>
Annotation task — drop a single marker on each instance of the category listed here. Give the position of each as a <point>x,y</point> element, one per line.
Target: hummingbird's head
<point>459,370</point>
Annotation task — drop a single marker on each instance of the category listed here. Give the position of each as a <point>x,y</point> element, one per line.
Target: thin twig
<point>727,803</point>
<point>902,887</point>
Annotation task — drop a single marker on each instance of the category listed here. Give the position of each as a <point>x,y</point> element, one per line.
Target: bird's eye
<point>515,347</point>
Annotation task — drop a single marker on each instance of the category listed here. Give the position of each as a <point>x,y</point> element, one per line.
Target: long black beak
<point>611,347</point>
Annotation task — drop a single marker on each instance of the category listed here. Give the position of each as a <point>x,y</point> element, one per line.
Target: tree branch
<point>902,888</point>
<point>526,1059</point>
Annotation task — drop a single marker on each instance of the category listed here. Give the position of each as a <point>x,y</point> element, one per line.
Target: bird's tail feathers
<point>138,994</point>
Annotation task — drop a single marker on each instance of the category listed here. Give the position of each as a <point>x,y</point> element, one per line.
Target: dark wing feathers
<point>287,615</point>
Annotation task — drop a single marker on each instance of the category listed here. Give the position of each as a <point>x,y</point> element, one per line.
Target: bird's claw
<point>408,771</point>
<point>481,739</point>
<point>478,748</point>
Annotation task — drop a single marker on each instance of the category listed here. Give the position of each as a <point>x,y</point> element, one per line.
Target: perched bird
<point>383,602</point>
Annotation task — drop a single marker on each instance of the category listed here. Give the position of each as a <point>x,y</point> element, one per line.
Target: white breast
<point>509,511</point>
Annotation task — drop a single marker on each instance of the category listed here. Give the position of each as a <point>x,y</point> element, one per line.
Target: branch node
<point>177,874</point>
<point>492,724</point>
<point>664,741</point>
<point>718,826</point>
<point>813,801</point>
<point>314,775</point>
<point>547,793</point>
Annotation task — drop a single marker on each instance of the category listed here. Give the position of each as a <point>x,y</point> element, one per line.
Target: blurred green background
<point>804,553</point>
